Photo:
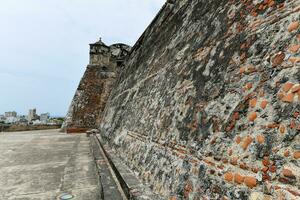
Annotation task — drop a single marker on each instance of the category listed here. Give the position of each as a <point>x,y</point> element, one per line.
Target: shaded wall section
<point>207,106</point>
<point>93,91</point>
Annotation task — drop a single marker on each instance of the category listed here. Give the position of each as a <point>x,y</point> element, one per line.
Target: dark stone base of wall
<point>15,128</point>
<point>75,130</point>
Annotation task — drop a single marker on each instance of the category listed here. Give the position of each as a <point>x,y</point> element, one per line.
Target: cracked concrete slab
<point>41,165</point>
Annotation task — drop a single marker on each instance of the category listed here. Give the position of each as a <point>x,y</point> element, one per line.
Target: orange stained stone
<point>254,14</point>
<point>173,198</point>
<point>236,116</point>
<point>224,160</point>
<point>298,93</point>
<point>188,189</point>
<point>220,166</point>
<point>260,139</point>
<point>244,46</point>
<point>277,188</point>
<point>297,154</point>
<point>242,70</point>
<point>298,36</point>
<point>280,95</point>
<point>293,124</point>
<point>251,69</point>
<point>294,60</point>
<point>294,48</point>
<point>274,125</point>
<point>230,152</point>
<point>286,153</point>
<point>238,139</point>
<point>261,93</point>
<point>254,169</point>
<point>234,160</point>
<point>252,102</point>
<point>265,162</point>
<point>209,162</point>
<point>228,176</point>
<point>266,177</point>
<point>282,129</point>
<point>278,59</point>
<point>229,128</point>
<point>289,98</point>
<point>281,6</point>
<point>277,84</point>
<point>244,166</point>
<point>213,141</point>
<point>264,104</point>
<point>249,86</point>
<point>250,181</point>
<point>247,141</point>
<point>295,193</point>
<point>295,88</point>
<point>265,169</point>
<point>287,173</point>
<point>252,116</point>
<point>293,26</point>
<point>255,23</point>
<point>273,169</point>
<point>287,86</point>
<point>239,179</point>
<point>271,3</point>
<point>243,56</point>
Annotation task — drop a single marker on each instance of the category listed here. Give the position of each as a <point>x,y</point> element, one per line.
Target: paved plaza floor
<point>43,165</point>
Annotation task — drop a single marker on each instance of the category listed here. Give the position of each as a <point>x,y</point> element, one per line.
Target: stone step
<point>107,183</point>
<point>131,186</point>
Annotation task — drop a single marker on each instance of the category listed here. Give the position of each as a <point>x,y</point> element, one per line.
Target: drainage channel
<point>110,186</point>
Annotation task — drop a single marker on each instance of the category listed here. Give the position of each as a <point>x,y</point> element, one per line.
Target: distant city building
<point>10,114</point>
<point>10,117</point>
<point>36,122</point>
<point>44,118</point>
<point>31,118</point>
<point>32,115</point>
<point>11,120</point>
<point>22,119</point>
<point>2,118</point>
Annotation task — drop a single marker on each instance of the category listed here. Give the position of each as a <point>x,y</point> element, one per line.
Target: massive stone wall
<point>93,91</point>
<point>208,104</point>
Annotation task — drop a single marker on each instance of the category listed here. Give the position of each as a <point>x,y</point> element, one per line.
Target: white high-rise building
<point>32,115</point>
<point>44,118</point>
<point>10,114</point>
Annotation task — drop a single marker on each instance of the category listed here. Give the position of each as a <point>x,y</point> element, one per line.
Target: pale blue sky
<point>44,46</point>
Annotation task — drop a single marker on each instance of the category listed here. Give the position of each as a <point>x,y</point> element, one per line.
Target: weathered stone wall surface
<point>208,104</point>
<point>93,91</point>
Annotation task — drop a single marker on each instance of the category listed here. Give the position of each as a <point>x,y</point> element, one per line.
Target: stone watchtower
<point>99,53</point>
<point>94,88</point>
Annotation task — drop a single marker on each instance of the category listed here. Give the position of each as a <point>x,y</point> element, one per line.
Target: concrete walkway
<point>42,165</point>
